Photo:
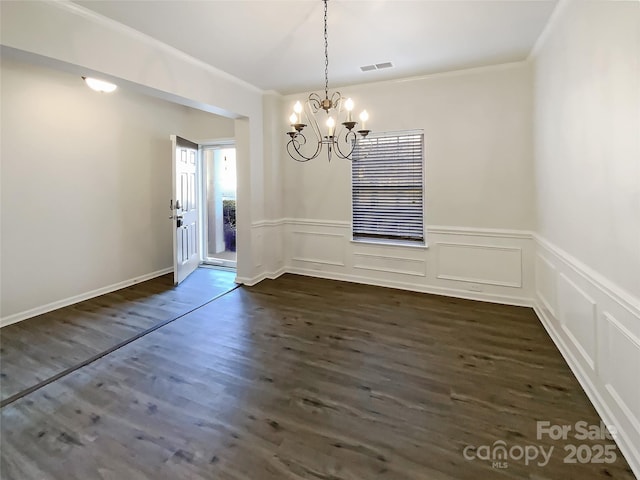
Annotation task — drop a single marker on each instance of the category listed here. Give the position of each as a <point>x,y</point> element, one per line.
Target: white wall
<point>269,232</point>
<point>86,181</point>
<point>70,37</point>
<point>587,173</point>
<point>477,127</point>
<point>587,80</point>
<point>479,189</point>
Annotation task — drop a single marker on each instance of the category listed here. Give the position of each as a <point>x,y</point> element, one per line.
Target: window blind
<point>387,187</point>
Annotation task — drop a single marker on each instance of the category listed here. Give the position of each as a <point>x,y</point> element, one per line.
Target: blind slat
<point>387,187</point>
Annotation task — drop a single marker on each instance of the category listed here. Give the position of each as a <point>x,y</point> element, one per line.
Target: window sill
<point>389,243</point>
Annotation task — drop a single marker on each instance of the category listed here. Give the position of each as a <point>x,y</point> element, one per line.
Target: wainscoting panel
<point>316,247</point>
<point>258,247</point>
<point>578,318</point>
<point>546,284</point>
<point>489,265</point>
<point>385,263</point>
<point>486,264</point>
<point>596,327</point>
<point>267,251</point>
<point>623,348</point>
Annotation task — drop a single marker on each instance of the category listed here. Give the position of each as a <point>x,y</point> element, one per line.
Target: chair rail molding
<point>326,248</point>
<point>596,326</point>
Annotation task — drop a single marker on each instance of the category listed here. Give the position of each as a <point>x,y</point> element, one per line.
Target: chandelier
<point>341,140</point>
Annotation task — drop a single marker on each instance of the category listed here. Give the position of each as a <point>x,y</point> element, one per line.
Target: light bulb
<point>298,109</point>
<point>364,116</point>
<point>331,123</point>
<point>99,85</point>
<point>348,105</point>
<point>293,118</point>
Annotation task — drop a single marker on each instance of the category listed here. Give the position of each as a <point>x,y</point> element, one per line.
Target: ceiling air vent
<point>376,66</point>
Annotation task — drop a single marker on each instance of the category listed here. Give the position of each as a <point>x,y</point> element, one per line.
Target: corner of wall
<point>596,327</point>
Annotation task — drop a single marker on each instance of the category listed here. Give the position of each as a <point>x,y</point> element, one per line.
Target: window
<point>387,181</point>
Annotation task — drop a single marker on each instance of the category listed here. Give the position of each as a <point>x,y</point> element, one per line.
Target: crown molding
<point>559,9</point>
<point>109,23</point>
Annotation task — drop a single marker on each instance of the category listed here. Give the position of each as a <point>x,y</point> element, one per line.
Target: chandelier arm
<point>336,101</point>
<point>313,121</point>
<point>314,102</point>
<point>365,150</point>
<point>296,144</point>
<point>350,136</point>
<point>318,149</point>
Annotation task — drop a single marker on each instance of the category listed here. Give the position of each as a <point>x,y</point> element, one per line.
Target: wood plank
<point>39,348</point>
<point>303,378</point>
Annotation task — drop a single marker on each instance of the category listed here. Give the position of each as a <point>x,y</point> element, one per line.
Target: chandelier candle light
<point>332,106</point>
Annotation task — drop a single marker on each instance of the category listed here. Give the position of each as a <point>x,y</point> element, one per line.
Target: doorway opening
<point>220,206</point>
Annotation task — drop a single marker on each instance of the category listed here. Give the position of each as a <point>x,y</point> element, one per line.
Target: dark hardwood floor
<point>47,345</point>
<point>303,378</point>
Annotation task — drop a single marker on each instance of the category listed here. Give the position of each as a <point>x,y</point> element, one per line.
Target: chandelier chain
<point>338,132</point>
<point>326,53</point>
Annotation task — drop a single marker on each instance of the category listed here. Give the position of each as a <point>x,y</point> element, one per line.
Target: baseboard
<point>631,455</point>
<point>447,292</point>
<point>18,317</point>
<point>249,282</point>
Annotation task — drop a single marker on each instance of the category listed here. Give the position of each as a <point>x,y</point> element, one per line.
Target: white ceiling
<point>279,45</point>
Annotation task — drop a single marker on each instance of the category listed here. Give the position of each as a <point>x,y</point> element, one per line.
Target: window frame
<point>395,241</point>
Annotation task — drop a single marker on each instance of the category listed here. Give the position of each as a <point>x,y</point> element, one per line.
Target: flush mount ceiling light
<point>314,107</point>
<point>99,85</point>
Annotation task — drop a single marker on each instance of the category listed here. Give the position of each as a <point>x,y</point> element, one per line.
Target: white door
<point>184,205</point>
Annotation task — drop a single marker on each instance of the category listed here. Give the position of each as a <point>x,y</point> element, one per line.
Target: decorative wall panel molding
<point>596,327</point>
<point>317,223</point>
<point>415,287</point>
<point>486,264</point>
<point>578,318</point>
<point>386,263</point>
<point>318,247</point>
<point>267,249</point>
<point>257,246</point>
<point>497,265</point>
<point>623,346</point>
<point>268,223</point>
<point>546,283</point>
<point>600,282</point>
<point>479,232</point>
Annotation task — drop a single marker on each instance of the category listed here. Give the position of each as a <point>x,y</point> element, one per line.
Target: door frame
<point>215,144</point>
